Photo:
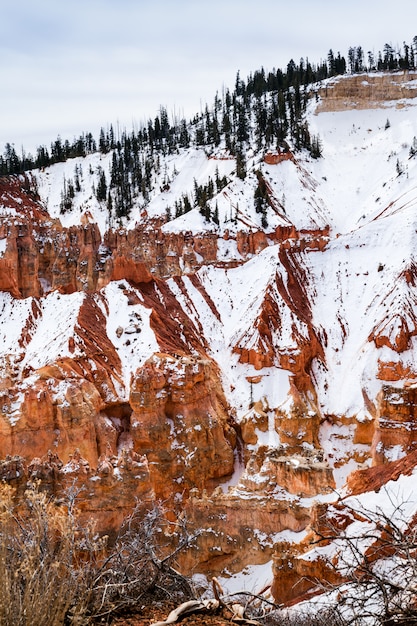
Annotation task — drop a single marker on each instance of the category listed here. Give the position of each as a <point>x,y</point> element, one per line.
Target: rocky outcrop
<point>278,492</point>
<point>180,422</point>
<point>51,414</point>
<point>103,493</point>
<point>171,375</point>
<point>362,91</point>
<point>395,425</point>
<point>233,535</point>
<point>169,430</point>
<point>273,158</point>
<point>374,478</point>
<point>397,325</point>
<point>41,255</point>
<point>296,579</point>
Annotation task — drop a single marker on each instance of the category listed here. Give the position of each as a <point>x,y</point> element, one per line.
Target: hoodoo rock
<point>105,493</point>
<point>395,423</point>
<point>180,422</point>
<point>239,344</point>
<point>52,415</point>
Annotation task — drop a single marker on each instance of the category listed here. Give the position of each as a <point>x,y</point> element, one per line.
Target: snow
<point>135,342</point>
<point>355,189</point>
<point>397,500</point>
<point>364,189</point>
<point>353,142</point>
<point>51,183</point>
<point>253,578</point>
<point>238,295</point>
<point>54,327</point>
<point>13,317</point>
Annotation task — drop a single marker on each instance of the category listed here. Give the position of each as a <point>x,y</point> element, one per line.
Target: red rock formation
<point>273,158</point>
<point>392,371</point>
<point>42,256</point>
<point>250,243</point>
<point>304,475</point>
<point>174,431</point>
<point>53,414</point>
<point>105,493</point>
<point>295,579</point>
<point>180,422</point>
<point>235,534</point>
<point>296,574</point>
<point>396,422</point>
<point>373,478</point>
<point>398,324</point>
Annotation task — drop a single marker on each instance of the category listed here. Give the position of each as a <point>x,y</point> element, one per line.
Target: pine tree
<point>240,163</point>
<point>57,151</point>
<point>316,148</point>
<point>77,183</point>
<point>184,139</point>
<point>101,191</point>
<point>187,204</point>
<point>67,195</point>
<point>103,142</point>
<point>11,160</point>
<point>399,168</point>
<point>42,157</point>
<point>216,214</point>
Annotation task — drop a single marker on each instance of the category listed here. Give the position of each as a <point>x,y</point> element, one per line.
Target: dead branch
<point>188,608</point>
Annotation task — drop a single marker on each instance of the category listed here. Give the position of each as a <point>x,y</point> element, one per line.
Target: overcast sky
<point>68,66</point>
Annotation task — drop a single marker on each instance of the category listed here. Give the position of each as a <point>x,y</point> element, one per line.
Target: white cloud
<point>70,67</point>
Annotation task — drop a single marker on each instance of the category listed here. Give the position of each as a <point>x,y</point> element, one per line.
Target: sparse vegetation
<point>56,571</point>
<point>377,565</point>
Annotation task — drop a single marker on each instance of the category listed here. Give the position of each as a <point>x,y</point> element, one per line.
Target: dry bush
<point>38,544</point>
<point>53,571</point>
<point>139,568</point>
<point>378,562</point>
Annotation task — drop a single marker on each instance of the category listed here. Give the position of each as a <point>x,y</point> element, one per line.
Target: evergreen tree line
<point>200,199</point>
<point>60,151</point>
<point>209,127</point>
<point>267,111</point>
<point>272,120</point>
<point>390,59</point>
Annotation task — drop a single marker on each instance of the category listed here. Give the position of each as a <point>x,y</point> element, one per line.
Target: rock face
<point>243,374</point>
<point>180,422</point>
<point>395,424</point>
<point>165,428</point>
<point>367,91</point>
<point>48,424</point>
<point>105,493</point>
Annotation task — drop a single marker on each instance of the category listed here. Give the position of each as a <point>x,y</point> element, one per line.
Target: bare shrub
<point>39,580</point>
<point>54,571</point>
<point>376,556</point>
<point>140,566</point>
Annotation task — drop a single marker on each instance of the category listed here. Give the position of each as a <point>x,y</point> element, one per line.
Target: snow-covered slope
<point>358,292</point>
<point>308,318</point>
